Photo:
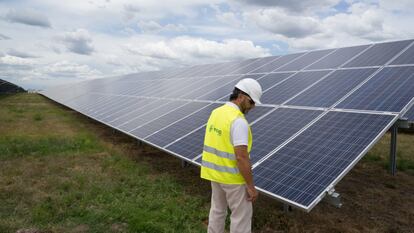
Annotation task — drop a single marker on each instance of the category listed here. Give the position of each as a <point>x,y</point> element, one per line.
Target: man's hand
<point>252,194</point>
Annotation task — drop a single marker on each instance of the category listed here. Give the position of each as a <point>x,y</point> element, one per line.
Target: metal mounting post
<point>393,150</point>
<point>401,123</point>
<point>334,198</point>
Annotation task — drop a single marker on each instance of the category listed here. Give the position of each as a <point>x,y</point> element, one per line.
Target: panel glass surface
<point>331,89</point>
<point>389,90</point>
<point>142,109</point>
<point>167,119</point>
<point>151,114</point>
<point>405,58</point>
<point>305,60</point>
<point>137,103</point>
<point>378,54</point>
<point>302,170</point>
<point>269,67</point>
<point>272,79</point>
<point>254,65</point>
<point>182,127</point>
<point>337,58</point>
<point>292,86</point>
<point>275,128</point>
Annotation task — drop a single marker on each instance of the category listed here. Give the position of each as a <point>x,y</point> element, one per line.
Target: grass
<point>380,153</point>
<point>58,176</point>
<point>61,172</point>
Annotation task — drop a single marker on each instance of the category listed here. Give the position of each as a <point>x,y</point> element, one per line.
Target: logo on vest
<point>214,130</point>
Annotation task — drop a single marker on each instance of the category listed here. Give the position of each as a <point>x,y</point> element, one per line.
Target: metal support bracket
<point>333,198</point>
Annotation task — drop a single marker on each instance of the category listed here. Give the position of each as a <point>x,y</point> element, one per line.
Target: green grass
<point>60,177</point>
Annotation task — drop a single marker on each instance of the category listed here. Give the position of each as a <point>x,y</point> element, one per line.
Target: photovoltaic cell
<point>272,79</point>
<point>138,102</point>
<point>256,64</point>
<point>149,115</point>
<point>305,60</point>
<point>301,171</point>
<point>337,58</point>
<point>331,89</point>
<point>147,104</point>
<point>389,90</point>
<point>275,128</point>
<point>269,67</point>
<point>182,127</point>
<point>406,57</point>
<point>292,86</point>
<point>378,54</point>
<point>167,119</point>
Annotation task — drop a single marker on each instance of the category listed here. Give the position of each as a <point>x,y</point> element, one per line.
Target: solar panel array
<point>8,88</point>
<point>322,111</point>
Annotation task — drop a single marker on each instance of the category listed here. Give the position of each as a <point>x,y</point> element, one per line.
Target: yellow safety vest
<point>219,161</point>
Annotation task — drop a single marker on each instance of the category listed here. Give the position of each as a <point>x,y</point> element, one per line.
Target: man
<point>226,161</point>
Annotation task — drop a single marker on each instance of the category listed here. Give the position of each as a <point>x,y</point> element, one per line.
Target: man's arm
<point>244,165</point>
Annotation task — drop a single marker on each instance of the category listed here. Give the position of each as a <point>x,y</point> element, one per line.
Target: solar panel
<point>322,110</point>
<point>269,67</point>
<point>8,87</point>
<point>331,89</point>
<point>165,120</point>
<point>379,54</point>
<point>164,107</point>
<point>305,60</point>
<point>405,58</point>
<point>275,128</point>
<point>337,58</point>
<point>301,172</point>
<point>291,86</point>
<point>389,90</point>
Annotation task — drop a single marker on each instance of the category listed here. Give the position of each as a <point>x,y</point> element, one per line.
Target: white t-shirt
<point>239,131</point>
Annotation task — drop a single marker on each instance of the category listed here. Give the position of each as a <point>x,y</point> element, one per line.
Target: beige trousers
<point>235,197</point>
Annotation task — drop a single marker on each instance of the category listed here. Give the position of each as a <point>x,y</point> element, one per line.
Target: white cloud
<point>21,54</point>
<point>282,23</point>
<point>293,5</point>
<point>154,27</point>
<point>28,17</point>
<point>4,37</point>
<point>229,18</point>
<point>69,70</point>
<point>78,41</point>
<point>15,61</point>
<point>191,50</point>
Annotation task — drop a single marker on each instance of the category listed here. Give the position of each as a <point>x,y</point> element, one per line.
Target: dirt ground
<point>373,200</point>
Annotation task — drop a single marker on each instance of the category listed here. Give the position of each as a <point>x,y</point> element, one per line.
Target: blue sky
<point>48,42</point>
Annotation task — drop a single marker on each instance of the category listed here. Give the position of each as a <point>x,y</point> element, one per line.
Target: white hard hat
<point>252,88</point>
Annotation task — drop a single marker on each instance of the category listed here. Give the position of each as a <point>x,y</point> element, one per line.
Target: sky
<point>44,43</point>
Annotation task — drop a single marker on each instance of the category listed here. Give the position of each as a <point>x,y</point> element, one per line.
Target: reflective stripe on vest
<point>219,162</point>
<point>219,153</point>
<point>220,168</point>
